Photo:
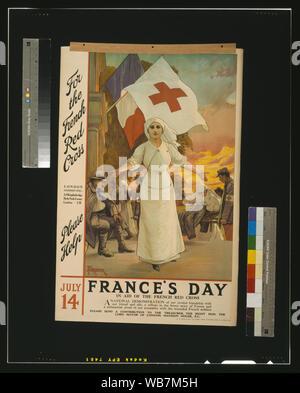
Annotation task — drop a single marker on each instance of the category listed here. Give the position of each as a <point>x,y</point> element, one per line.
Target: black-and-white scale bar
<point>269,272</point>
<point>36,103</point>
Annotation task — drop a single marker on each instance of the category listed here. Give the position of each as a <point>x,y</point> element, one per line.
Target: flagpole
<point>115,103</point>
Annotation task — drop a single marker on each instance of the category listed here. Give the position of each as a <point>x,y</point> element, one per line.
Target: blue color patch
<point>251,227</point>
<point>252,214</point>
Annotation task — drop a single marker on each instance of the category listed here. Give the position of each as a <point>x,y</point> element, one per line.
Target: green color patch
<point>251,242</point>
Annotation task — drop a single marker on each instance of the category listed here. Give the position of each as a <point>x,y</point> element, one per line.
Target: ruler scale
<point>36,103</point>
<point>30,102</point>
<point>261,269</point>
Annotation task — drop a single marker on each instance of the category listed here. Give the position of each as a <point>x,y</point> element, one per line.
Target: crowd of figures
<point>160,227</point>
<point>119,219</point>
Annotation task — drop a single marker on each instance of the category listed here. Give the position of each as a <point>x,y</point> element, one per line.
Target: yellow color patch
<point>251,256</point>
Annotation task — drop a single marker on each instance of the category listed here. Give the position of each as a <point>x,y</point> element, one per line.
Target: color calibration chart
<point>261,269</point>
<point>36,103</point>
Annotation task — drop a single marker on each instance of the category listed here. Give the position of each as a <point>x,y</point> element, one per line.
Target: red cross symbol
<point>167,95</point>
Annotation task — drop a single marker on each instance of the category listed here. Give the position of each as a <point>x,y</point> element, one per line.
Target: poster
<point>148,184</point>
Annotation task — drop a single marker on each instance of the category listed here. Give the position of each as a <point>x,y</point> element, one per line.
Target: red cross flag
<point>160,93</point>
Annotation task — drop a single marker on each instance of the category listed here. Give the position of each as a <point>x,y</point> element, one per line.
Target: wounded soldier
<point>189,220</point>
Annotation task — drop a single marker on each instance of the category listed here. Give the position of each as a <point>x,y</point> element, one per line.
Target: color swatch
<point>261,271</point>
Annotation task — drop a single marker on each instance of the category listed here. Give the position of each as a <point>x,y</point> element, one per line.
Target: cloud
<point>221,129</point>
<point>231,98</point>
<point>229,160</point>
<point>225,71</point>
<point>212,162</point>
<point>216,160</point>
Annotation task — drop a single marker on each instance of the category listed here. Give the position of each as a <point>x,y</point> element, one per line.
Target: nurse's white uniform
<point>160,238</point>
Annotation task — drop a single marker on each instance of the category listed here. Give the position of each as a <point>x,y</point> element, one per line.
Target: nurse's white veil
<point>168,135</point>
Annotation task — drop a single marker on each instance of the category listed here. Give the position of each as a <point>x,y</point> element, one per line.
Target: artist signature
<point>95,271</point>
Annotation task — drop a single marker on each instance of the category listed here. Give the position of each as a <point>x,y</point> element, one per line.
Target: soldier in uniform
<point>226,211</point>
<point>102,218</point>
<point>189,220</point>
